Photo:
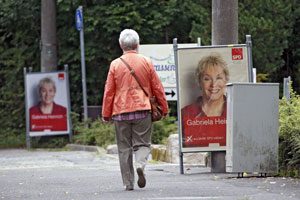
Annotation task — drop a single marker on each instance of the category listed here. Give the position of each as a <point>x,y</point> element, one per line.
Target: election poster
<point>203,73</point>
<point>47,103</point>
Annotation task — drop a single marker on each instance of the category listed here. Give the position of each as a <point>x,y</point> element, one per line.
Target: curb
<point>77,147</point>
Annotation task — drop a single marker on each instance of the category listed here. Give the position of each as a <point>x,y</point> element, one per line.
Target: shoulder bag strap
<point>134,75</point>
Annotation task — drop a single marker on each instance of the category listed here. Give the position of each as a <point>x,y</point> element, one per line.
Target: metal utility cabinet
<point>252,127</point>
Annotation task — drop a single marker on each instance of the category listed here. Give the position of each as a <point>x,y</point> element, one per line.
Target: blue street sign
<point>78,19</point>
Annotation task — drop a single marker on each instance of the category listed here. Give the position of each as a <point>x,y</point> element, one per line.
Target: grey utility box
<point>252,127</point>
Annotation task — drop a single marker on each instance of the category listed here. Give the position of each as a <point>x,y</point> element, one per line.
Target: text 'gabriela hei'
<point>205,122</point>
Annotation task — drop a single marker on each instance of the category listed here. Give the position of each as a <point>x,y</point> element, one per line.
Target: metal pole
<point>181,163</point>
<point>254,75</point>
<point>286,88</point>
<point>28,145</point>
<point>83,68</point>
<point>175,47</point>
<point>66,69</point>
<point>249,53</point>
<point>199,41</point>
<point>289,88</point>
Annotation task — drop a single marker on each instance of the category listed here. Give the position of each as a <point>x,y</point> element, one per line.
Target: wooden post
<point>48,36</point>
<point>224,31</point>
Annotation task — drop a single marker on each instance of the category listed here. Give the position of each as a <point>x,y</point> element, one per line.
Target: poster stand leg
<point>28,143</point>
<point>70,137</point>
<point>218,162</point>
<point>181,163</point>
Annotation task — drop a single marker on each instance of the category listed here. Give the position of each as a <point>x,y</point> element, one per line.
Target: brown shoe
<point>142,180</point>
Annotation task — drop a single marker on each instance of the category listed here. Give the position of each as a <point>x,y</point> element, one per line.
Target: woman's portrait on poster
<point>46,114</point>
<point>207,114</point>
<point>212,75</point>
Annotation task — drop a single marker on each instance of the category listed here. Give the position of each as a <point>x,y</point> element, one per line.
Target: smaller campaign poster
<point>47,103</point>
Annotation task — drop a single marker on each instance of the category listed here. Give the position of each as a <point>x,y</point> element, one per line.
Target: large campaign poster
<point>47,103</point>
<point>203,73</point>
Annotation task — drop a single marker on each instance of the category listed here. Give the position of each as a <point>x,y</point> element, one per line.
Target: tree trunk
<point>224,22</point>
<point>224,31</point>
<point>48,36</point>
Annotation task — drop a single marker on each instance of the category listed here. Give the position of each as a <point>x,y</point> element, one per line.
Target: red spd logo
<point>237,53</point>
<point>61,76</point>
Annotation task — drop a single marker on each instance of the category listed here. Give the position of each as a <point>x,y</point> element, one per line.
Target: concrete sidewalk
<point>85,175</point>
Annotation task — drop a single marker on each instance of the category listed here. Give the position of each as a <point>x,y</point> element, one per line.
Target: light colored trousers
<point>133,136</point>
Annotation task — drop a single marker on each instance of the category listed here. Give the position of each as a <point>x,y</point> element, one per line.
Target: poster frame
<point>29,133</point>
<point>248,46</point>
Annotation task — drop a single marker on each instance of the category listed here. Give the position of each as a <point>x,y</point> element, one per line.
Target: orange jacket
<point>122,92</point>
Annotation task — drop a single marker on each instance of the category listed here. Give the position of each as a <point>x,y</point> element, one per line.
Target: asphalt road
<point>81,175</point>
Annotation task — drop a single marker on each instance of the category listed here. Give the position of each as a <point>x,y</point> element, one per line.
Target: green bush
<point>56,141</point>
<point>102,134</point>
<point>12,140</point>
<point>162,129</point>
<point>289,135</point>
<point>94,133</point>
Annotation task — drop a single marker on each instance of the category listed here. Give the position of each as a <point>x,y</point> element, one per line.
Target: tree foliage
<point>270,36</point>
<point>291,55</point>
<point>19,48</point>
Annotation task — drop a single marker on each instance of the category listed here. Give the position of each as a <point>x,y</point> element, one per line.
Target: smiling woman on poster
<point>47,115</point>
<point>204,121</point>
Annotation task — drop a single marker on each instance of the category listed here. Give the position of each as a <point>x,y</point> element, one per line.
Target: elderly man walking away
<point>129,107</point>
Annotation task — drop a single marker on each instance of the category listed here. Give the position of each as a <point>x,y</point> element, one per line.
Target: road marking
<point>175,198</point>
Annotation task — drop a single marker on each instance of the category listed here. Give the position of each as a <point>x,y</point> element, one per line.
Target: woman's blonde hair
<point>210,61</point>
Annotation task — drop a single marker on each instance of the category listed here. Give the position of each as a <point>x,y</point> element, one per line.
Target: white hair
<point>129,39</point>
<point>44,81</point>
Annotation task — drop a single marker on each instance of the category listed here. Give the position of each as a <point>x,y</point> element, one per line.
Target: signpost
<point>162,57</point>
<point>79,19</point>
<point>171,94</point>
<point>79,27</point>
